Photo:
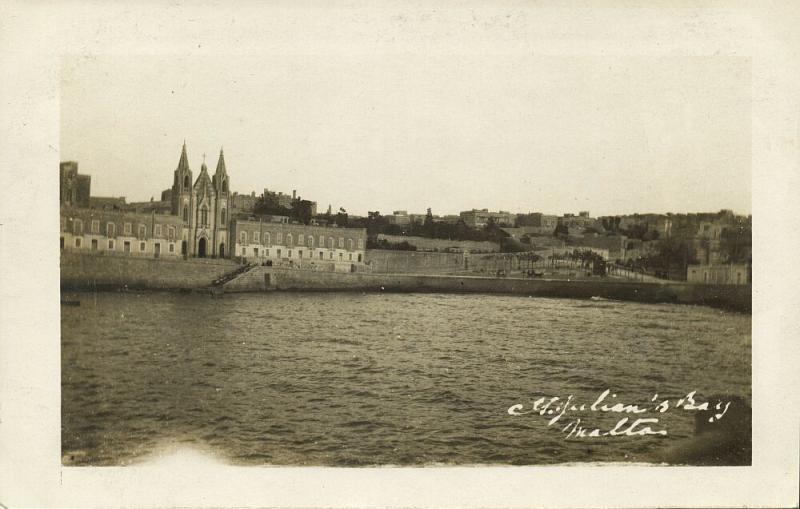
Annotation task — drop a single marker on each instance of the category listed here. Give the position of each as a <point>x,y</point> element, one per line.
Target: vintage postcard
<point>402,255</point>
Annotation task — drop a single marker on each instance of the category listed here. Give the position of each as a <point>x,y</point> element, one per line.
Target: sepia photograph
<point>334,255</point>
<point>406,261</point>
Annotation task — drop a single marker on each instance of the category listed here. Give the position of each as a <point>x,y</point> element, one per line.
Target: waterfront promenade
<point>85,272</point>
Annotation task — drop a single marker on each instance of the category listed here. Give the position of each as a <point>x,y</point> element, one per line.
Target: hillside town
<point>203,218</point>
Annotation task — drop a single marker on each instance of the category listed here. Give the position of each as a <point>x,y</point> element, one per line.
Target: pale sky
<point>515,132</point>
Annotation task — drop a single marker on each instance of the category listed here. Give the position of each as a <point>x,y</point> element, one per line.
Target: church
<point>203,208</point>
<point>195,220</point>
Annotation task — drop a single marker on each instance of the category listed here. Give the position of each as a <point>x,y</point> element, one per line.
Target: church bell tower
<point>182,190</point>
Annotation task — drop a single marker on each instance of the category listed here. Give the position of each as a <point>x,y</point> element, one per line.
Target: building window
<point>222,217</point>
<point>94,244</point>
<point>300,254</point>
<point>171,247</point>
<point>78,241</point>
<point>157,232</point>
<point>299,239</point>
<point>186,212</point>
<point>341,243</point>
<point>360,243</point>
<point>142,246</point>
<point>289,240</point>
<point>359,258</point>
<point>186,183</point>
<point>289,254</point>
<point>279,237</point>
<point>266,239</point>
<point>111,230</point>
<point>311,241</point>
<point>331,257</point>
<point>322,241</point>
<point>171,232</point>
<point>243,237</point>
<point>244,251</point>
<point>279,253</point>
<point>256,237</point>
<point>255,251</point>
<point>350,256</point>
<point>77,226</point>
<point>340,256</point>
<point>142,231</point>
<point>330,242</point>
<point>204,216</point>
<point>350,244</point>
<point>95,226</point>
<point>126,246</point>
<point>127,228</point>
<point>321,254</point>
<point>157,249</point>
<point>110,245</point>
<point>266,252</point>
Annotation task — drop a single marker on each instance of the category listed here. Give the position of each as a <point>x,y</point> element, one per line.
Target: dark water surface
<point>403,379</point>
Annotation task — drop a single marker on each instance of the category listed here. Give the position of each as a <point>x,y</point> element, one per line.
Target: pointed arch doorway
<point>201,248</point>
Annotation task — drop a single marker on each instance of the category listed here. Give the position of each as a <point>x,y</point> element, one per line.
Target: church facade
<point>202,205</point>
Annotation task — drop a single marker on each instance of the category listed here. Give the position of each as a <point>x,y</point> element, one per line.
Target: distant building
<point>150,207</point>
<point>399,217</point>
<point>718,274</point>
<point>244,202</point>
<point>544,224</point>
<point>581,221</point>
<point>286,200</point>
<point>75,189</point>
<point>107,203</point>
<point>480,218</point>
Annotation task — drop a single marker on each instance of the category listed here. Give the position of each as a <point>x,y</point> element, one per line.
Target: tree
<point>561,230</point>
<point>428,226</point>
<point>301,210</point>
<point>341,218</point>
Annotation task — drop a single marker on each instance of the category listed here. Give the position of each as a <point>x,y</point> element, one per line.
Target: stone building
<point>75,188</point>
<point>315,247</point>
<point>480,218</point>
<point>194,219</point>
<point>719,274</point>
<point>203,208</point>
<point>115,232</point>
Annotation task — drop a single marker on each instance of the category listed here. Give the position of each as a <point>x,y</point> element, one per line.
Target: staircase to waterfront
<point>217,286</point>
<point>250,280</point>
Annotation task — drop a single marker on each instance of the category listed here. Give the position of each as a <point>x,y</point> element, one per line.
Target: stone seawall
<point>98,271</point>
<point>385,261</point>
<point>733,297</point>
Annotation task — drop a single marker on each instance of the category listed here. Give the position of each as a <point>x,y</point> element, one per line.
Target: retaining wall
<point>96,271</point>
<point>733,297</point>
<point>385,261</point>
